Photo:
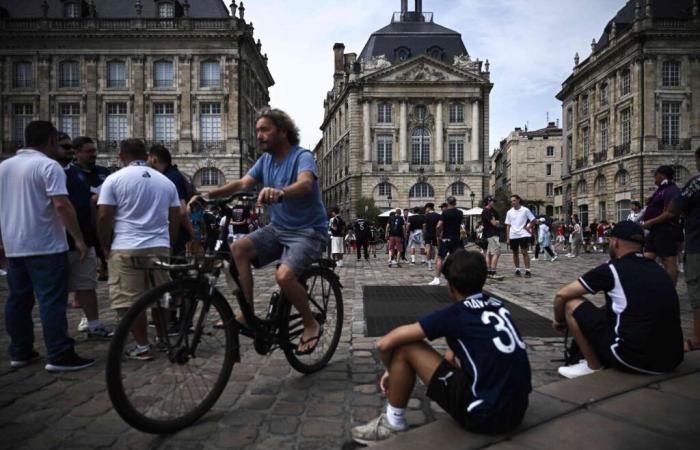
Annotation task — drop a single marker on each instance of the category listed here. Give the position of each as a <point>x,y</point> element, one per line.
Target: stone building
<point>631,106</point>
<point>183,73</point>
<point>407,121</point>
<point>528,163</point>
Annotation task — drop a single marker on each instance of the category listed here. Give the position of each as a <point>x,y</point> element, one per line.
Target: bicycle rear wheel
<point>326,302</point>
<point>190,363</point>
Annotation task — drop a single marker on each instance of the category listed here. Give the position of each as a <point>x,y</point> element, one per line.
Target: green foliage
<point>366,208</point>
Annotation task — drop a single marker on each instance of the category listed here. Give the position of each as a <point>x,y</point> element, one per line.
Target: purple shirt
<point>658,202</point>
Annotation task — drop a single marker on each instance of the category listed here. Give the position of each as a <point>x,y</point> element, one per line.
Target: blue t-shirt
<point>79,195</point>
<point>490,351</point>
<point>292,213</point>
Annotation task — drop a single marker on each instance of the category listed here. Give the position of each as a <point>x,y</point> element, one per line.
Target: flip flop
<point>689,347</point>
<point>311,349</point>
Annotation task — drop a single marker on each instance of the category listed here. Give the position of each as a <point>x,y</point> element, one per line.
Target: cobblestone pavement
<point>266,404</point>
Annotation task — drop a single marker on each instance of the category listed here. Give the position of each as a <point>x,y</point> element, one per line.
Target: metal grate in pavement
<point>387,307</point>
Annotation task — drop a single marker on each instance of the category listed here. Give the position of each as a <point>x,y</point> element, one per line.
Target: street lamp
<point>388,197</point>
<point>471,196</point>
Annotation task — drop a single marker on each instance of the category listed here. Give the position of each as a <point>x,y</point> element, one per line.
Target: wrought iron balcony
<point>678,144</point>
<point>581,163</point>
<point>600,156</point>
<point>421,168</point>
<point>622,150</point>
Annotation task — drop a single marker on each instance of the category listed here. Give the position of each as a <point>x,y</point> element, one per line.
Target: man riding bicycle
<point>297,234</point>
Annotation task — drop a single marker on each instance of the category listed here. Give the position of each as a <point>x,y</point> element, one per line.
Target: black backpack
<point>396,226</point>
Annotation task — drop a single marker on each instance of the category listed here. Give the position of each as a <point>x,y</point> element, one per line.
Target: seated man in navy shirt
<point>639,330</point>
<point>483,381</point>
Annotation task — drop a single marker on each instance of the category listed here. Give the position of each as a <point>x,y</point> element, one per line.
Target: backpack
<point>396,226</point>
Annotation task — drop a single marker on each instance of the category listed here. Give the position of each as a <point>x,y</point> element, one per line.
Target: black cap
<point>628,231</point>
<point>666,171</point>
<point>488,200</point>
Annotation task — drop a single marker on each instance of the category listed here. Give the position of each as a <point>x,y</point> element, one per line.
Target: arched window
<point>420,146</point>
<point>402,53</point>
<point>458,188</point>
<point>582,187</point>
<point>209,176</point>
<point>600,185</point>
<point>384,189</point>
<point>436,52</point>
<point>421,190</point>
<point>622,178</point>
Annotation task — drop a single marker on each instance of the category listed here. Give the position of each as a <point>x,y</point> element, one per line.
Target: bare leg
<point>494,261</point>
<point>243,252</point>
<point>295,292</point>
<point>140,329</point>
<point>526,258</point>
<point>583,344</point>
<point>438,267</point>
<point>88,301</point>
<point>407,361</point>
<point>516,259</point>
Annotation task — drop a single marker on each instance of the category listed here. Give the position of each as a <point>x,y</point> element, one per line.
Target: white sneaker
<point>576,370</point>
<point>339,263</point>
<point>435,282</point>
<point>553,259</point>
<point>378,429</point>
<point>3,273</point>
<point>534,259</point>
<point>83,325</point>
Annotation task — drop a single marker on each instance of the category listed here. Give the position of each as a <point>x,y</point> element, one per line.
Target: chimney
<point>419,7</point>
<point>404,7</point>
<point>339,52</point>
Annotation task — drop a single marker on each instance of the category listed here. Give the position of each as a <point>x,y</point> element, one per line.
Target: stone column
<point>138,87</point>
<point>185,89</point>
<point>90,84</point>
<point>475,131</point>
<point>43,83</point>
<point>366,131</point>
<point>233,99</point>
<point>439,151</point>
<point>403,132</point>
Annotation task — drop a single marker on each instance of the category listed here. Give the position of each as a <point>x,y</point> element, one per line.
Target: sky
<point>529,43</point>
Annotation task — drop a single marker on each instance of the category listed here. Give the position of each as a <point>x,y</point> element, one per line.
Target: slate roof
<point>417,36</point>
<point>112,8</point>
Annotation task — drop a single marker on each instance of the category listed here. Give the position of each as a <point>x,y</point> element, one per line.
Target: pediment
<point>424,70</point>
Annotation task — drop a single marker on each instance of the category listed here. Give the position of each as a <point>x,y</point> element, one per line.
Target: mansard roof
<point>113,8</point>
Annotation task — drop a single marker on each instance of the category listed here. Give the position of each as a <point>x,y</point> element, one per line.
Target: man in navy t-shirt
<point>488,391</point>
<point>448,229</point>
<point>297,233</point>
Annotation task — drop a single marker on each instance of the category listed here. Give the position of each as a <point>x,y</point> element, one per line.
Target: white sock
<point>396,416</point>
<point>93,324</point>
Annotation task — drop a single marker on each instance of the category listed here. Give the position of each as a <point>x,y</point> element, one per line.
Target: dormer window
<point>72,10</point>
<point>166,10</point>
<point>436,53</point>
<point>403,53</point>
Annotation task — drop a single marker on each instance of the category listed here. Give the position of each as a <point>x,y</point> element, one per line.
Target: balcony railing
<point>377,167</point>
<point>121,24</point>
<point>600,156</point>
<point>208,146</point>
<point>172,146</point>
<point>455,167</point>
<point>681,145</point>
<point>622,150</point>
<point>421,168</point>
<point>108,146</point>
<point>581,163</point>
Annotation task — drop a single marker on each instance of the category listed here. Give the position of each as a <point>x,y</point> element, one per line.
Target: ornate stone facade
<point>407,122</point>
<point>189,75</point>
<point>629,107</point>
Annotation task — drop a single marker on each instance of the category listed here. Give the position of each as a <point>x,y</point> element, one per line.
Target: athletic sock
<point>396,416</point>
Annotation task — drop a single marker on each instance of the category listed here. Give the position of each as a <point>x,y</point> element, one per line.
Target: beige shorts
<point>82,276</point>
<point>127,283</point>
<point>494,247</point>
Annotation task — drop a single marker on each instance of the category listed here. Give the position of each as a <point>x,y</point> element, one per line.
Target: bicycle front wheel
<point>176,381</point>
<point>326,303</point>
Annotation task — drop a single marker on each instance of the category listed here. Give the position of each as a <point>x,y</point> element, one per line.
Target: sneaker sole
<point>20,364</point>
<point>52,368</point>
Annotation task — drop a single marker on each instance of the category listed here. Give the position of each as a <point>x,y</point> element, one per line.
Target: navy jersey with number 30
<point>480,332</point>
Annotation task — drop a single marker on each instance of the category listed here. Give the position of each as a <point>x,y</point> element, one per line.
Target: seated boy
<point>483,381</point>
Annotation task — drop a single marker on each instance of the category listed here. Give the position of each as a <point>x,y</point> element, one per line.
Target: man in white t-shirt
<point>138,216</point>
<point>34,214</point>
<point>519,224</point>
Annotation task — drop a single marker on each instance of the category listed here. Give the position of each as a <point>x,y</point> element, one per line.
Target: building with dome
<point>407,120</point>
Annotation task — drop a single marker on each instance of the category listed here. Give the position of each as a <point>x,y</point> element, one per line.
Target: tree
<point>366,208</point>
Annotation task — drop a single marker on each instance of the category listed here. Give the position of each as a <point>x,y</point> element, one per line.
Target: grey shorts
<point>82,275</point>
<point>692,278</point>
<point>297,249</point>
<point>494,246</point>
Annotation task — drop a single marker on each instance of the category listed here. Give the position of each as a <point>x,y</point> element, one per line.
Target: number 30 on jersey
<point>501,323</point>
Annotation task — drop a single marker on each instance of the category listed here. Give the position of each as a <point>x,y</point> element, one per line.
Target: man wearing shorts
<point>297,233</point>
<point>639,329</point>
<point>430,232</point>
<point>448,235</point>
<point>491,224</point>
<point>488,391</point>
<point>415,233</point>
<point>395,230</point>
<point>337,225</point>
<point>519,223</point>
<point>138,215</point>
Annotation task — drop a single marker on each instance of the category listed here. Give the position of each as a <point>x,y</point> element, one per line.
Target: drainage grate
<point>387,307</point>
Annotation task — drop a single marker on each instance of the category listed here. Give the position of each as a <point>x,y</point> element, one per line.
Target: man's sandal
<point>311,349</point>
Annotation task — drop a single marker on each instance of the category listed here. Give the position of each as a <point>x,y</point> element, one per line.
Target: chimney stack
<point>404,7</point>
<point>339,52</point>
<point>419,7</point>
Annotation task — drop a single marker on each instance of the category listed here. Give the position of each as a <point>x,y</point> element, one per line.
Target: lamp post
<point>471,196</point>
<point>388,197</point>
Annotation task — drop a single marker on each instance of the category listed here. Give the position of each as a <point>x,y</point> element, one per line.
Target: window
<point>625,130</point>
<point>584,105</point>
<point>456,113</point>
<point>436,52</point>
<point>550,150</point>
<point>548,169</point>
<point>604,97</point>
<point>583,215</point>
<point>166,10</point>
<point>384,113</point>
<point>117,122</point>
<point>384,189</point>
<point>625,82</point>
<point>569,118</point>
<point>550,189</point>
<point>585,133</point>
<point>623,209</point>
<point>72,10</point>
<point>210,176</point>
<point>402,53</point>
<point>602,211</point>
<point>210,75</point>
<point>163,74</point>
<point>456,149</point>
<point>69,74</point>
<point>22,114</point>
<point>116,74</point>
<point>420,146</point>
<point>458,189</point>
<point>582,187</point>
<point>622,178</point>
<point>671,74</point>
<point>601,185</point>
<point>384,148</point>
<point>421,113</point>
<point>670,123</point>
<point>69,119</point>
<point>23,78</point>
<point>210,122</point>
<point>603,127</point>
<point>421,190</point>
<point>163,122</point>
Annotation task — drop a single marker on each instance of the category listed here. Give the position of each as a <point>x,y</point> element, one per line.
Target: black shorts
<point>599,330</point>
<point>521,243</point>
<point>448,246</point>
<point>429,239</point>
<point>662,242</point>
<point>450,388</point>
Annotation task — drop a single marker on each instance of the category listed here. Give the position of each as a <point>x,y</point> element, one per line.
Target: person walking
<point>337,226</point>
<point>491,223</point>
<point>519,224</point>
<point>429,233</point>
<point>576,237</point>
<point>544,238</point>
<point>448,235</point>
<point>35,213</point>
<point>415,234</point>
<point>395,230</point>
<point>362,235</point>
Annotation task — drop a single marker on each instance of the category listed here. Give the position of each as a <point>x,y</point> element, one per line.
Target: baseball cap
<point>488,200</point>
<point>666,171</point>
<point>628,231</point>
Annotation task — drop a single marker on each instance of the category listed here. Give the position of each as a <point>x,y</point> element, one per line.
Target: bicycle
<point>195,359</point>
